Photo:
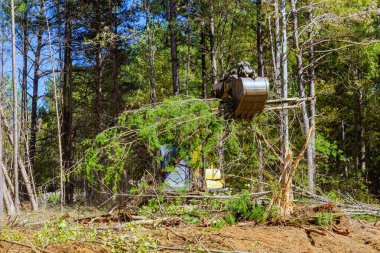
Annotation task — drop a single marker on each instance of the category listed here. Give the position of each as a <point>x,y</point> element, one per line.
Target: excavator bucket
<point>248,92</point>
<point>250,96</point>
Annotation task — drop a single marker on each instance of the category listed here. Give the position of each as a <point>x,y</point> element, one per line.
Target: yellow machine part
<point>213,176</point>
<point>214,179</point>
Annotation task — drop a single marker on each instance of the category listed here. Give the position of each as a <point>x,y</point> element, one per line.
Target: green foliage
<point>218,223</point>
<point>324,218</point>
<point>230,218</point>
<point>367,217</point>
<point>54,198</point>
<point>190,218</point>
<point>242,208</point>
<point>184,123</point>
<point>62,232</point>
<point>258,214</point>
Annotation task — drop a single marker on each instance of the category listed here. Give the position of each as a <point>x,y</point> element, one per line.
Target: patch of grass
<point>230,218</point>
<point>218,223</point>
<point>62,232</point>
<point>190,219</point>
<point>54,198</point>
<point>324,218</point>
<point>258,214</point>
<point>366,217</point>
<point>12,235</point>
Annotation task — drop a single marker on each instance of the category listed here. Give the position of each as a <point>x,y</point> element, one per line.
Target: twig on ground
<point>34,248</point>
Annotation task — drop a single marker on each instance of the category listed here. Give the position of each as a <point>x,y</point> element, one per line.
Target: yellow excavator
<point>248,94</point>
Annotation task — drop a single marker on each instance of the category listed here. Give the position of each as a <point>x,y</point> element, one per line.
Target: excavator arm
<point>248,92</point>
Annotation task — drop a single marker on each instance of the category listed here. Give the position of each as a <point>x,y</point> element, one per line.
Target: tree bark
<point>20,164</point>
<point>277,72</point>
<point>284,66</point>
<point>311,70</point>
<point>115,59</point>
<point>15,110</point>
<point>56,107</point>
<point>286,178</point>
<point>67,103</point>
<point>24,83</point>
<point>301,93</point>
<point>259,39</point>
<point>188,46</point>
<point>261,73</point>
<point>212,47</point>
<point>36,78</point>
<point>98,95</point>
<point>203,60</point>
<point>173,45</point>
<point>2,181</point>
<point>152,79</point>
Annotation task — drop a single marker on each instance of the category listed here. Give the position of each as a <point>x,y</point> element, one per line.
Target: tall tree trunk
<point>286,178</point>
<point>98,84</point>
<point>203,60</point>
<point>2,181</point>
<point>115,61</point>
<point>259,39</point>
<point>24,84</point>
<point>277,72</point>
<point>361,131</point>
<point>311,70</point>
<point>36,78</point>
<point>260,73</point>
<point>212,47</point>
<point>301,93</point>
<point>152,79</point>
<point>173,45</point>
<point>67,102</point>
<point>284,66</point>
<point>188,46</point>
<point>15,110</point>
<point>343,129</point>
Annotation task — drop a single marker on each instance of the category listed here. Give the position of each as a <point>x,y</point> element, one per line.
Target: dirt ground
<point>364,237</point>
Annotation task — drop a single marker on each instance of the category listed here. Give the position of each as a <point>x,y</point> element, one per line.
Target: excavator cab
<point>249,93</point>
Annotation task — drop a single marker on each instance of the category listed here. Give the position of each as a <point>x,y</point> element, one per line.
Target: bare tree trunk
<point>261,73</point>
<point>24,84</point>
<point>188,46</point>
<point>361,131</point>
<point>285,73</point>
<point>277,72</point>
<point>311,170</point>
<point>20,164</point>
<point>115,61</point>
<point>57,114</point>
<point>259,39</point>
<point>152,79</point>
<point>286,178</point>
<point>15,110</point>
<point>301,93</point>
<point>98,95</point>
<point>2,181</point>
<point>67,103</point>
<point>203,60</point>
<point>36,78</point>
<point>8,201</point>
<point>173,45</point>
<point>344,148</point>
<point>212,47</point>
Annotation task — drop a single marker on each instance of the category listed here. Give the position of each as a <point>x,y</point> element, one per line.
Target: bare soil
<point>363,236</point>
